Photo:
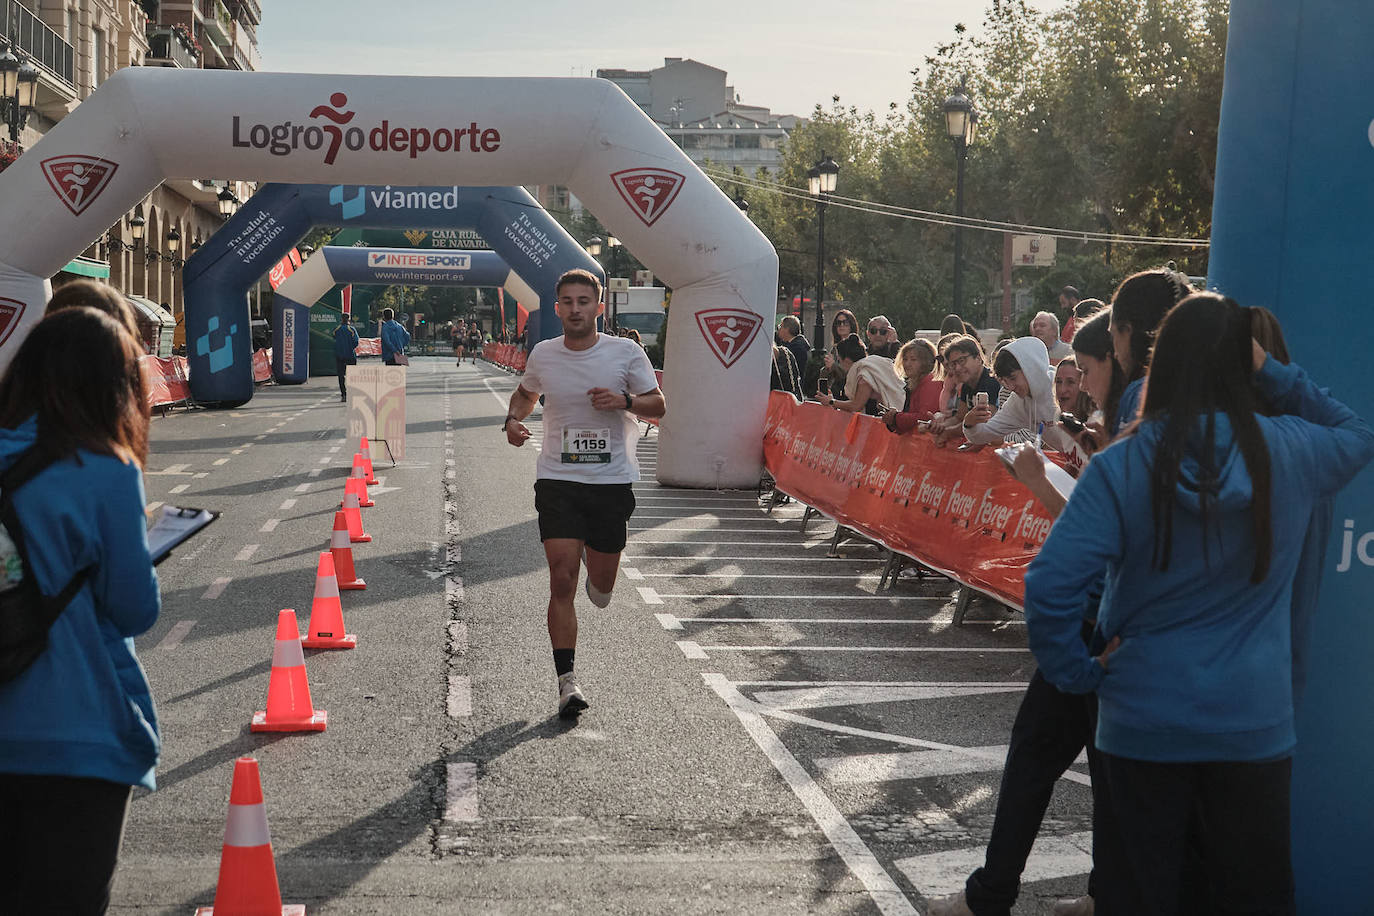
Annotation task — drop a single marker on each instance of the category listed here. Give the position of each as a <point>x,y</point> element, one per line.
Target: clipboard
<point>173,526</point>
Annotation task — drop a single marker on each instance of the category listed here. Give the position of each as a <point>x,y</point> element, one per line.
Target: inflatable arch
<point>219,275</point>
<point>333,265</point>
<point>1292,230</point>
<point>145,124</point>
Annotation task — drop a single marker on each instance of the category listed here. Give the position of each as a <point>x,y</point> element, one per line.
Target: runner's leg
<point>564,555</point>
<point>602,569</point>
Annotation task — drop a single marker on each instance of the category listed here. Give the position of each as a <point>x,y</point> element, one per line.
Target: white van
<point>643,312</point>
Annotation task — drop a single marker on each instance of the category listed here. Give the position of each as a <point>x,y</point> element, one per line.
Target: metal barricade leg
<point>961,605</point>
<point>806,517</point>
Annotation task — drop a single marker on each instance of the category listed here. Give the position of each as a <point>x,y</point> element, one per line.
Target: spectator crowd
<point>1170,608</point>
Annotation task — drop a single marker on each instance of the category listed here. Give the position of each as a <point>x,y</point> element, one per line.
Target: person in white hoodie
<point>1023,366</point>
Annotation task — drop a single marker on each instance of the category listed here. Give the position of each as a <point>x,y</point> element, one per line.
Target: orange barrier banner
<point>369,346</point>
<point>507,356</point>
<point>262,366</point>
<point>165,380</point>
<point>959,513</point>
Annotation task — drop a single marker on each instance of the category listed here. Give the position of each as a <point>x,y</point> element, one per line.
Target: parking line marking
<point>712,556</point>
<point>176,634</point>
<point>287,503</point>
<point>303,488</point>
<point>314,472</point>
<point>945,872</point>
<point>999,650</point>
<point>152,507</point>
<point>217,588</point>
<point>202,475</point>
<point>648,595</point>
<point>460,793</point>
<point>180,488</point>
<point>458,637</point>
<point>668,621</point>
<point>860,859</point>
<point>691,650</point>
<point>246,553</point>
<point>453,589</point>
<point>218,461</point>
<point>632,573</point>
<point>883,597</point>
<point>270,525</point>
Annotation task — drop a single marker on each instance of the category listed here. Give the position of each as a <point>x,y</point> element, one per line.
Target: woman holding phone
<point>77,726</point>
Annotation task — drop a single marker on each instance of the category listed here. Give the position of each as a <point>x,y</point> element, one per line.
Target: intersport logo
<point>418,260</point>
<point>342,134</point>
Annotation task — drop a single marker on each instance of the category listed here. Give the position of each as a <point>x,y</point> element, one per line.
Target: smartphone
<point>980,399</point>
<point>823,385</point>
<point>1071,424</point>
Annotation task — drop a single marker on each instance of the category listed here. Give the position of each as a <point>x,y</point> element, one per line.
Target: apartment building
<point>75,45</point>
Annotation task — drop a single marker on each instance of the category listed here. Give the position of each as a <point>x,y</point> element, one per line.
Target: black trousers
<point>341,367</point>
<point>1234,816</point>
<point>59,843</point>
<point>1051,729</point>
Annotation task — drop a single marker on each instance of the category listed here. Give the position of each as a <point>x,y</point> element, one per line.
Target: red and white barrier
<point>262,366</point>
<point>959,513</point>
<point>369,346</point>
<point>508,356</point>
<point>165,380</point>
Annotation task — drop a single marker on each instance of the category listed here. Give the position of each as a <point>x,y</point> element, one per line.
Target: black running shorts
<point>594,513</point>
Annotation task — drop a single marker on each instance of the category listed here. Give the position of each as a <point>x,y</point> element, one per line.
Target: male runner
<point>593,385</point>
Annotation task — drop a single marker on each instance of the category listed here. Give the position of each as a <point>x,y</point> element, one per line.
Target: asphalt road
<point>767,733</point>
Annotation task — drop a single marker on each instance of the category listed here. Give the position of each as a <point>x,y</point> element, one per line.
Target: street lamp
<point>741,202</point>
<point>821,183</point>
<point>173,240</point>
<point>18,91</point>
<point>961,123</point>
<point>136,229</point>
<point>228,203</point>
<point>593,246</point>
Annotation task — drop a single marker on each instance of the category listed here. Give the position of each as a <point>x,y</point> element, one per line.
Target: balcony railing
<point>165,44</point>
<point>31,35</point>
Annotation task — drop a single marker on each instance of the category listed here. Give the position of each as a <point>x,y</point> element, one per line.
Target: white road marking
<point>710,528</point>
<point>460,793</point>
<point>202,475</point>
<point>882,597</point>
<point>730,575</point>
<point>334,449</point>
<point>314,472</point>
<point>237,451</point>
<point>862,863</point>
<point>270,525</point>
<point>459,696</point>
<point>648,595</point>
<point>842,694</point>
<point>923,649</point>
<point>809,542</point>
<point>453,589</point>
<point>287,503</point>
<point>712,556</point>
<point>858,621</point>
<point>632,573</point>
<point>180,488</point>
<point>303,488</point>
<point>246,553</point>
<point>218,461</point>
<point>217,588</point>
<point>870,769</point>
<point>326,460</point>
<point>260,438</point>
<point>454,553</point>
<point>171,469</point>
<point>691,650</point>
<point>458,637</point>
<point>152,507</point>
<point>668,621</point>
<point>1052,857</point>
<point>176,634</point>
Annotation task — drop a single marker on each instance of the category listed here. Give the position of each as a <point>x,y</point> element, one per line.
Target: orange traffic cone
<point>247,875</point>
<point>367,462</point>
<point>288,692</point>
<point>339,546</point>
<point>354,515</point>
<point>359,486</point>
<point>360,469</point>
<point>326,629</point>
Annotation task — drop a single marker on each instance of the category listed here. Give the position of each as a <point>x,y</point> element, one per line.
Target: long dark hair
<point>848,316</point>
<point>78,371</point>
<point>1141,301</point>
<point>1094,338</point>
<point>1203,365</point>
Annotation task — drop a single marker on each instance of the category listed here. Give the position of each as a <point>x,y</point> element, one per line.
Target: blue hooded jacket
<point>394,338</point>
<point>83,708</point>
<point>1204,669</point>
<point>346,343</point>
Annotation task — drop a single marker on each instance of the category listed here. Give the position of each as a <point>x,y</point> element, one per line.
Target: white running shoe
<point>1074,906</point>
<point>599,598</point>
<point>571,700</point>
<point>948,905</point>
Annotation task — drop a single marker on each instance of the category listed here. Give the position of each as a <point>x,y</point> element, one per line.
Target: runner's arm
<point>650,405</point>
<point>521,403</point>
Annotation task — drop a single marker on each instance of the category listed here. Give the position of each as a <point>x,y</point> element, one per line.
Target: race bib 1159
<point>586,446</point>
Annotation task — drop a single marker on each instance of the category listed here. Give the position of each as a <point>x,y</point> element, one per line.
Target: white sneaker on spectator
<point>1074,906</point>
<point>948,905</point>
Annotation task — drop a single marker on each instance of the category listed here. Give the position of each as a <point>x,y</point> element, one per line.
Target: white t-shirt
<point>582,443</point>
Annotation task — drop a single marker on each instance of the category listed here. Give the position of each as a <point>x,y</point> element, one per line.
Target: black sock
<point>563,660</point>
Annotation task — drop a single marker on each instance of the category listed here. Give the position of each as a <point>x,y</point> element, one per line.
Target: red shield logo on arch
<point>729,332</point>
<point>11,310</point>
<point>78,180</point>
<point>649,192</point>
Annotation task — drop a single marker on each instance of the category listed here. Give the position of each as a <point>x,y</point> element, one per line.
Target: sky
<point>787,56</point>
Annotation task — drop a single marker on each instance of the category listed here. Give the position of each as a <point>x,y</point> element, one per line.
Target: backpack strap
<point>30,464</point>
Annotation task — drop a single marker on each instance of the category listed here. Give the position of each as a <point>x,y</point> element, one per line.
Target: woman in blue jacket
<point>77,727</point>
<point>1194,688</point>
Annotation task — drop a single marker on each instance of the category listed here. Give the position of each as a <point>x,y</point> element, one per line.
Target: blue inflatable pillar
<point>1293,230</point>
